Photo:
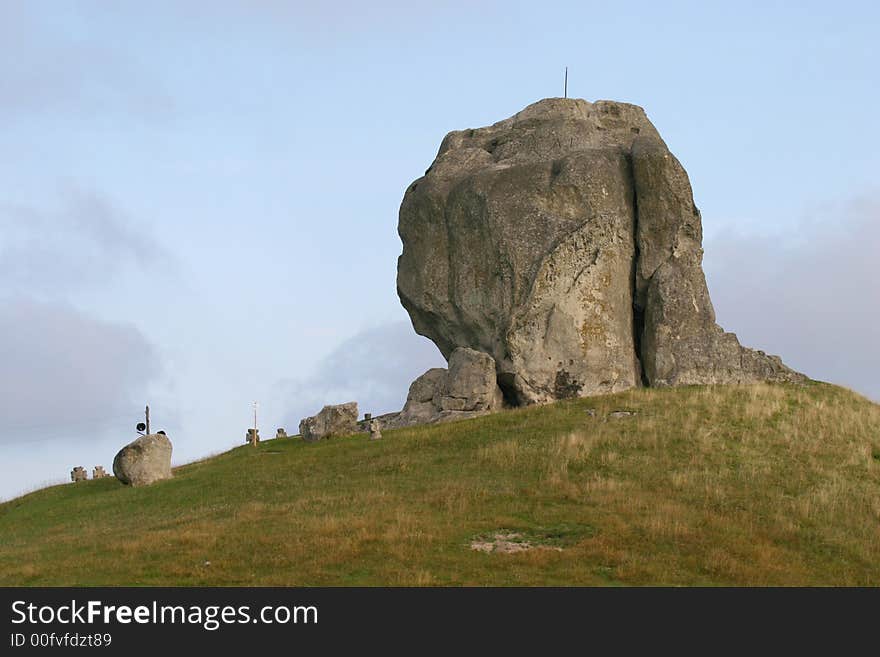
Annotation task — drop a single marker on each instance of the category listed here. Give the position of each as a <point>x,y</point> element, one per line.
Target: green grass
<point>740,485</point>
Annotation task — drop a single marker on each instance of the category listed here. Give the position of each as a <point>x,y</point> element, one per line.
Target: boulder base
<point>468,388</point>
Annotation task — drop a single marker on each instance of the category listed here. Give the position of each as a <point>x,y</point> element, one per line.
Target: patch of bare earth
<point>507,543</point>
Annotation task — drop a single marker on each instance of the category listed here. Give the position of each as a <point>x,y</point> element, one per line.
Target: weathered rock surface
<point>144,461</point>
<point>680,342</point>
<point>419,407</point>
<point>468,388</point>
<point>338,420</point>
<point>564,243</point>
<point>470,383</point>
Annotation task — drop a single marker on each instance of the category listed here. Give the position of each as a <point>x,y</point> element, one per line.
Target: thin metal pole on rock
<point>147,414</point>
<point>566,83</point>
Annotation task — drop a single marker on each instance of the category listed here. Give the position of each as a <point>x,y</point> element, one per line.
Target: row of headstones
<point>280,432</point>
<point>79,473</point>
<point>249,436</point>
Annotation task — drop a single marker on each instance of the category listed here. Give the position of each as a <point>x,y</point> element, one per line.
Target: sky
<point>198,200</point>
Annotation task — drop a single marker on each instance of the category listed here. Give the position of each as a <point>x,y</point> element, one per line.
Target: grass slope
<point>706,485</point>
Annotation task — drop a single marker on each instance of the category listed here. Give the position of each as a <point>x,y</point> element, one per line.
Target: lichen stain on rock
<point>592,335</point>
<point>564,387</point>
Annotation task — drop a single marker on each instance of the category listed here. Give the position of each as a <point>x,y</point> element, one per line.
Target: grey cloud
<point>809,294</point>
<point>374,368</point>
<point>66,373</point>
<point>86,240</point>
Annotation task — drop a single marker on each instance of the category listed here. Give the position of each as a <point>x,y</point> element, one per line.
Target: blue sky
<point>198,201</point>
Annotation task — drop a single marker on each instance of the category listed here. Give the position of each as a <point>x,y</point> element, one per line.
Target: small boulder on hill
<point>144,461</point>
<point>338,420</point>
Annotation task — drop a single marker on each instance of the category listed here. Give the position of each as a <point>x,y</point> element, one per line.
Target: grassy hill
<point>703,486</point>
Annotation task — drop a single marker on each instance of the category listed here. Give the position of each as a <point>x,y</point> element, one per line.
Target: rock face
<point>419,407</point>
<point>144,461</point>
<point>470,384</point>
<point>564,243</point>
<point>468,388</point>
<point>339,420</point>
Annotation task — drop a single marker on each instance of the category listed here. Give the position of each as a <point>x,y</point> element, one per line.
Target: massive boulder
<point>467,389</point>
<point>338,420</point>
<point>564,243</point>
<point>144,461</point>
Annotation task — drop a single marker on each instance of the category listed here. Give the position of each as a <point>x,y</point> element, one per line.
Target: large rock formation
<point>144,461</point>
<point>564,243</point>
<point>338,420</point>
